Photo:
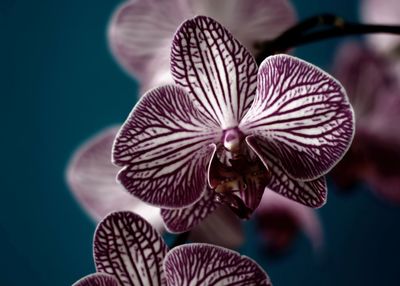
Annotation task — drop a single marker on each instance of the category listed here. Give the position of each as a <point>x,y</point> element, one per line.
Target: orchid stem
<point>180,239</point>
<point>328,25</point>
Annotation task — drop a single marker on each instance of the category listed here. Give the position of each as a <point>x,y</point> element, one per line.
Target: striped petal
<point>92,178</point>
<point>219,74</point>
<point>97,279</point>
<point>310,193</point>
<point>140,32</point>
<point>302,115</point>
<point>184,219</point>
<point>165,146</point>
<point>204,264</point>
<point>129,248</point>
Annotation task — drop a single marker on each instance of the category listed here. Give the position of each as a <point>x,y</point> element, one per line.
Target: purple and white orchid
<point>140,32</point>
<point>128,251</point>
<point>227,130</point>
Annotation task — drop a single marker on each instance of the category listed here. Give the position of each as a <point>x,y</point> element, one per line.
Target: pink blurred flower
<point>385,12</point>
<point>373,85</point>
<point>140,32</point>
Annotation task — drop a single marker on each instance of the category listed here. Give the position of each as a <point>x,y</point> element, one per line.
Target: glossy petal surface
<point>127,247</point>
<point>383,12</point>
<point>309,193</point>
<point>97,279</point>
<point>204,264</point>
<point>164,147</point>
<point>92,179</point>
<point>184,219</point>
<point>302,116</point>
<point>217,71</point>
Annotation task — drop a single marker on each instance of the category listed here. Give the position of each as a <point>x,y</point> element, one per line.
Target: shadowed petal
<point>302,115</point>
<point>92,179</point>
<point>164,147</point>
<point>127,247</point>
<point>309,193</point>
<point>217,71</point>
<point>280,219</point>
<point>184,219</point>
<point>97,279</point>
<point>204,264</point>
<point>221,227</point>
<point>383,12</point>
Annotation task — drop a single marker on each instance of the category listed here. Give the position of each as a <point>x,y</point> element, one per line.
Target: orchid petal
<point>273,205</point>
<point>248,20</point>
<point>97,279</point>
<point>165,146</point>
<point>218,72</point>
<point>184,219</point>
<point>140,35</point>
<point>92,179</point>
<point>204,264</point>
<point>141,31</point>
<point>382,12</point>
<point>309,193</point>
<point>302,115</point>
<point>129,248</point>
<point>222,227</point>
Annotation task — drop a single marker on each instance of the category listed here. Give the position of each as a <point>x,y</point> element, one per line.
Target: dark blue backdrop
<point>59,85</point>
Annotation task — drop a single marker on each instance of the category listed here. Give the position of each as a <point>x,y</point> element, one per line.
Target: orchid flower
<point>280,220</point>
<point>374,91</point>
<point>141,31</point>
<point>128,251</point>
<point>227,130</point>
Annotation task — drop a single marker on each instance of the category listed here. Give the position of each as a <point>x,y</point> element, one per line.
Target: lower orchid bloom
<point>227,130</point>
<point>374,90</point>
<point>279,221</point>
<point>128,251</point>
<point>141,31</point>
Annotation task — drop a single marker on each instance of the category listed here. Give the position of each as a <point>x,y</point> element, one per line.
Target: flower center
<point>237,175</point>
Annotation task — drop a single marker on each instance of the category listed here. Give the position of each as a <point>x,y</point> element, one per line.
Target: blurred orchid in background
<point>215,137</point>
<point>128,251</point>
<point>141,32</point>
<point>371,75</point>
<point>280,220</point>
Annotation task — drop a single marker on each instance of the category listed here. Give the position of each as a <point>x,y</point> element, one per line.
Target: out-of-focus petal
<point>92,179</point>
<point>310,193</point>
<point>384,12</point>
<point>217,71</point>
<point>184,219</point>
<point>140,35</point>
<point>129,248</point>
<point>302,115</point>
<point>164,147</point>
<point>97,279</point>
<point>275,210</point>
<point>249,21</point>
<point>140,32</point>
<point>204,264</point>
<point>221,227</point>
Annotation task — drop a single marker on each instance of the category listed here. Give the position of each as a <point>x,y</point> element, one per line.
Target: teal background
<point>59,85</point>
